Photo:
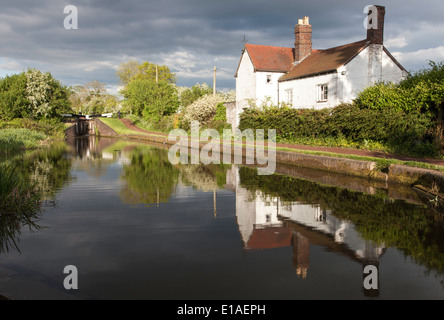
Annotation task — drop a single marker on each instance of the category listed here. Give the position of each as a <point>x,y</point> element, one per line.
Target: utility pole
<point>214,82</point>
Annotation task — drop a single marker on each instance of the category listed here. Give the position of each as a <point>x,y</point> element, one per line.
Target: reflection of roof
<point>267,238</point>
<point>268,58</point>
<point>325,61</point>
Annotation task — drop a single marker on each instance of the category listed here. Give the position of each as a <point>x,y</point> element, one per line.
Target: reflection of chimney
<point>302,40</point>
<point>375,29</point>
<point>301,253</point>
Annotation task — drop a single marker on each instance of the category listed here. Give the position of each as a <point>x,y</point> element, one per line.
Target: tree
<point>33,94</point>
<point>92,98</point>
<point>154,72</point>
<point>189,95</point>
<point>202,110</point>
<point>133,70</point>
<point>13,100</point>
<point>95,88</point>
<point>47,96</point>
<point>150,99</point>
<point>127,71</point>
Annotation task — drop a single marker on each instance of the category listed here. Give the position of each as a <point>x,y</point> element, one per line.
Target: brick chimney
<point>302,40</point>
<point>375,29</point>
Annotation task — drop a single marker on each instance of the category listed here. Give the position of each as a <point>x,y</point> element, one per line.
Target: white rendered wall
<point>245,84</point>
<point>371,65</point>
<point>305,91</point>
<point>267,90</point>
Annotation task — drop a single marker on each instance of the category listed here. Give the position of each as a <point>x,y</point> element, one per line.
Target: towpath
<point>357,152</point>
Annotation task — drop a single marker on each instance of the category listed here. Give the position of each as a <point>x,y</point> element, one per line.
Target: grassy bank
<point>12,140</point>
<point>23,134</point>
<point>119,127</point>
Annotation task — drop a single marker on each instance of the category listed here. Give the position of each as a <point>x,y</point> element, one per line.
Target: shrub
<point>202,110</point>
<point>387,96</point>
<point>397,130</point>
<point>221,113</point>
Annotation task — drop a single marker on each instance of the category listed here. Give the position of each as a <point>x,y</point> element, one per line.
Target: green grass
<point>141,123</point>
<point>53,128</point>
<point>12,140</point>
<point>119,127</point>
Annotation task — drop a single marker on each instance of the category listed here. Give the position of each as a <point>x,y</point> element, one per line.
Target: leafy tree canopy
<point>150,99</point>
<point>133,70</point>
<point>32,94</point>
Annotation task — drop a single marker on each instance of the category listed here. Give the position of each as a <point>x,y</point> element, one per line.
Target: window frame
<point>289,95</point>
<point>322,92</point>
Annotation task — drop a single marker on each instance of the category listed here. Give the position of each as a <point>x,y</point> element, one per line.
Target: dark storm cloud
<point>192,36</point>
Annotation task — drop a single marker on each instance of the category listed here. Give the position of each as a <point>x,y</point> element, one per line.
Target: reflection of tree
<point>48,169</point>
<point>150,177</point>
<point>36,176</point>
<point>204,177</point>
<point>413,229</point>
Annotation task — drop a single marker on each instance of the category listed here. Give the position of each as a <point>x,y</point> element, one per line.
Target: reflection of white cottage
<point>308,78</point>
<point>261,224</point>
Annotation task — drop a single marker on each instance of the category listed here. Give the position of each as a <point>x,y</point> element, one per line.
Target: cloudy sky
<point>193,36</point>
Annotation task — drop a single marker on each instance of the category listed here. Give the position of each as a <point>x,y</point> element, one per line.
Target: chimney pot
<point>302,40</point>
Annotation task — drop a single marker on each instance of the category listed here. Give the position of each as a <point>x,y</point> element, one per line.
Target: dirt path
<point>365,153</point>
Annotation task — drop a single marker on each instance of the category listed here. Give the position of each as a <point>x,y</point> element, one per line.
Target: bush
<point>202,110</point>
<point>387,96</point>
<point>396,130</point>
<point>189,95</point>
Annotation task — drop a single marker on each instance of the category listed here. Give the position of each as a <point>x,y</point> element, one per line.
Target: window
<point>289,93</point>
<point>322,92</point>
<point>268,78</point>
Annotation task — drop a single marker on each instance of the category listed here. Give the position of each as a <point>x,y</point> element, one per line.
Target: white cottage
<point>308,78</point>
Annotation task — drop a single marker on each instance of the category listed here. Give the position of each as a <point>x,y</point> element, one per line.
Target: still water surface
<point>137,227</point>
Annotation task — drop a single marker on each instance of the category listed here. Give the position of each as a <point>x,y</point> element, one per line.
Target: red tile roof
<point>268,58</point>
<point>325,61</point>
<point>280,59</point>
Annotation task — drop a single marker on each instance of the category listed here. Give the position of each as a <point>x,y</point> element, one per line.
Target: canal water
<point>135,226</point>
